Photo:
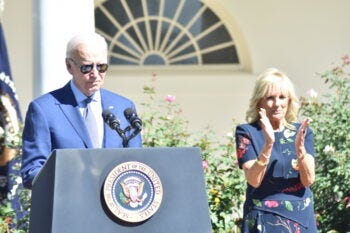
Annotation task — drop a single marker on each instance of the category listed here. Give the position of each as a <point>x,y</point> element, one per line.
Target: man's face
<point>79,66</point>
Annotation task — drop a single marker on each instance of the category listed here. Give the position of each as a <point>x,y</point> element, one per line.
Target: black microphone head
<point>133,119</point>
<point>128,113</point>
<point>106,114</point>
<point>110,119</point>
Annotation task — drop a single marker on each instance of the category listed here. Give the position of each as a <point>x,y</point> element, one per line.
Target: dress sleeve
<point>244,145</point>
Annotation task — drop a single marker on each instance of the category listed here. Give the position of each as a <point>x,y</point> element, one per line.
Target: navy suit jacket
<point>53,121</point>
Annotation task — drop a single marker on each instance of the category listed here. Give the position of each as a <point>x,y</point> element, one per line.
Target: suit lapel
<point>70,108</point>
<point>74,117</point>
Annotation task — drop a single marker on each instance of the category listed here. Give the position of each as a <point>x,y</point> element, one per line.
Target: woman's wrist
<point>301,155</point>
<point>265,156</point>
<point>268,146</point>
<point>262,160</point>
<point>261,164</point>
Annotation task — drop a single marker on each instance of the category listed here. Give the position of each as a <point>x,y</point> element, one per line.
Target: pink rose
<point>346,59</point>
<point>205,165</point>
<point>170,98</point>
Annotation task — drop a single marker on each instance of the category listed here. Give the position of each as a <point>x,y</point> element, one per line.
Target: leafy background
<point>165,126</point>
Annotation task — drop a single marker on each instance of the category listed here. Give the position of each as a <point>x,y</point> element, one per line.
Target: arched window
<point>164,32</point>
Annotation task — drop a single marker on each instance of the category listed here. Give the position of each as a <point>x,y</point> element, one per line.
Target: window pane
<point>175,32</point>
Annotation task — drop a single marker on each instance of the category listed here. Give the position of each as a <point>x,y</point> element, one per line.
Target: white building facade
<point>298,37</point>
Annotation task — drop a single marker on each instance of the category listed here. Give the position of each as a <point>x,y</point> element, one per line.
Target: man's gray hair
<point>90,39</point>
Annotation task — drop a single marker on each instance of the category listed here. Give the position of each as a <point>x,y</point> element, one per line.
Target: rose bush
<point>164,126</point>
<point>331,125</point>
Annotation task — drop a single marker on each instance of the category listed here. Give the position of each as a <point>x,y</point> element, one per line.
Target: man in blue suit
<point>56,120</point>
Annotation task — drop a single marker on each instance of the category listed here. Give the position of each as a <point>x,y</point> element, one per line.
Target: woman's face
<point>275,102</point>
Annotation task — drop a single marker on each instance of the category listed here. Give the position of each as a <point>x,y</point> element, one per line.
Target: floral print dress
<point>281,204</point>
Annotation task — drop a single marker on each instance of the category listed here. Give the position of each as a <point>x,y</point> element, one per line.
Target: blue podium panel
<point>68,196</point>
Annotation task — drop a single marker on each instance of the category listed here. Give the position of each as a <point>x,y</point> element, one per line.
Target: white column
<point>55,22</point>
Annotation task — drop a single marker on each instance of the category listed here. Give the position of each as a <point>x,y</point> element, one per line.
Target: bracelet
<point>261,164</point>
<point>265,156</point>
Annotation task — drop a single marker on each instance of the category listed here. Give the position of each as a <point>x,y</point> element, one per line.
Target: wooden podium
<point>68,193</point>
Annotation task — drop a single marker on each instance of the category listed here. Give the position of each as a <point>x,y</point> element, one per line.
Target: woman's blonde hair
<point>266,80</point>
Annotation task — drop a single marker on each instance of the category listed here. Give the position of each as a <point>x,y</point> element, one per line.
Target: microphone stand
<point>132,135</point>
<point>122,135</point>
<point>114,124</point>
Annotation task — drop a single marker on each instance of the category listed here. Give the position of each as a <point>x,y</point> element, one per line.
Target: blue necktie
<point>91,123</point>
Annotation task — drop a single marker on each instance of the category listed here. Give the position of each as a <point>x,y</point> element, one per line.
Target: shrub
<point>164,125</point>
<point>225,183</point>
<point>331,127</point>
<point>14,209</point>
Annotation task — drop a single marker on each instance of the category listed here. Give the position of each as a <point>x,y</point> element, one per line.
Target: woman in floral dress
<point>277,156</point>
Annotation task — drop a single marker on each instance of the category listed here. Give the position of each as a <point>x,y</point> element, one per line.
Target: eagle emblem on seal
<point>133,193</point>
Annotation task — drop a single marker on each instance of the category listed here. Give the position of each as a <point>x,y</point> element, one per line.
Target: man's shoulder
<point>43,98</point>
<point>54,95</point>
<point>112,95</point>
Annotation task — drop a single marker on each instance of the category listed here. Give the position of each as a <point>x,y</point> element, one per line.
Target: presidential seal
<point>132,192</point>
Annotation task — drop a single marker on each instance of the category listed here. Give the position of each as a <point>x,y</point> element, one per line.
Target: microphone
<point>114,124</point>
<point>110,119</point>
<point>133,119</point>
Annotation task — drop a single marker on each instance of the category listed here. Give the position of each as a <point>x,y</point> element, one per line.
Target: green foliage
<point>332,144</point>
<point>14,221</point>
<point>6,216</point>
<point>164,125</point>
<point>225,185</point>
<point>9,218</point>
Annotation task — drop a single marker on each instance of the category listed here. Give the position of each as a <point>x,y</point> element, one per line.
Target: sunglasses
<point>85,69</point>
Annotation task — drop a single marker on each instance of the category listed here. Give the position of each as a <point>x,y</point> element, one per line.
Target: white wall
<point>212,97</point>
<point>299,37</point>
<point>17,25</point>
